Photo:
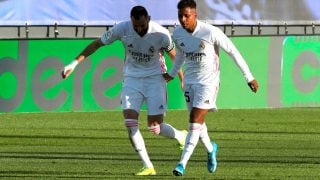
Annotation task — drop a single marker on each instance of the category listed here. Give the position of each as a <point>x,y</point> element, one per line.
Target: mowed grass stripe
<point>254,144</point>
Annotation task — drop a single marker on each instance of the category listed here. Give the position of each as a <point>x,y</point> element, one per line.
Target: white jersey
<point>200,53</point>
<point>144,55</point>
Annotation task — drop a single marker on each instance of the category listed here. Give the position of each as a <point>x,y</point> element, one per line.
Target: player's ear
<point>148,18</point>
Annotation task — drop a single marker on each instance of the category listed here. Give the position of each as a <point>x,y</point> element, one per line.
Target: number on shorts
<point>186,95</point>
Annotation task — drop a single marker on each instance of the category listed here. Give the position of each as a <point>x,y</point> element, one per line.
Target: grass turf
<point>253,144</point>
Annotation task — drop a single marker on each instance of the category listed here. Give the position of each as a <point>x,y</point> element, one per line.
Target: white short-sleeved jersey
<point>144,55</point>
<point>200,53</point>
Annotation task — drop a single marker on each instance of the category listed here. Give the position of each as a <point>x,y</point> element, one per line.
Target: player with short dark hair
<point>145,43</point>
<point>197,45</point>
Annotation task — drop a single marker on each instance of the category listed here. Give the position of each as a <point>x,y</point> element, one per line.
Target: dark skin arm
<point>167,77</point>
<point>90,49</point>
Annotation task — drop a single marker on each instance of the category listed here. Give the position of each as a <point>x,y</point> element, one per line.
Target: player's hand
<point>167,77</point>
<point>253,85</point>
<point>67,70</point>
<point>181,85</point>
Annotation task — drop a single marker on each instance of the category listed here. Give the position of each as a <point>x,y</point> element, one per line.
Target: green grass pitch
<point>253,144</point>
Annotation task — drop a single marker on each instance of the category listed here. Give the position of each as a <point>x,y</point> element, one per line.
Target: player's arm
<point>90,49</point>
<point>176,67</point>
<point>172,55</point>
<point>107,38</point>
<point>226,44</point>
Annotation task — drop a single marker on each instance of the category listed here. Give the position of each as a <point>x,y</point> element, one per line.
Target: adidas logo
<point>190,143</point>
<point>161,107</point>
<point>182,44</point>
<point>130,46</point>
<point>206,101</point>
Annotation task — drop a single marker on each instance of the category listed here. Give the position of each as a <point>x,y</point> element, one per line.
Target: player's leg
<point>191,136</point>
<point>131,101</point>
<point>199,101</point>
<point>203,101</point>
<point>211,147</point>
<point>195,124</point>
<point>169,131</point>
<point>157,126</point>
<point>204,138</point>
<point>192,139</point>
<point>135,137</point>
<point>156,99</point>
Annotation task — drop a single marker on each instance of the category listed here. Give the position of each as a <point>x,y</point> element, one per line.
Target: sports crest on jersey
<point>151,49</point>
<point>202,45</point>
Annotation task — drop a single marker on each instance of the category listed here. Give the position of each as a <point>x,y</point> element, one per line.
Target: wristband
<point>74,63</point>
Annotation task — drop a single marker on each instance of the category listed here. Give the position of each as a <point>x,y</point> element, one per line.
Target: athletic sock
<point>169,131</point>
<point>205,139</point>
<point>137,141</point>
<point>191,143</point>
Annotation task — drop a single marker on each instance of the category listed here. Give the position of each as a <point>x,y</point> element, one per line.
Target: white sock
<point>205,139</point>
<point>167,130</point>
<point>191,143</point>
<point>137,141</point>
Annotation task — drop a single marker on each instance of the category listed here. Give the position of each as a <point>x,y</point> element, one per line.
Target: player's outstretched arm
<point>253,85</point>
<point>172,55</point>
<point>68,69</point>
<point>91,48</point>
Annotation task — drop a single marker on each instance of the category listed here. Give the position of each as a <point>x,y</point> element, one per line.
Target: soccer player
<point>145,42</point>
<point>197,45</point>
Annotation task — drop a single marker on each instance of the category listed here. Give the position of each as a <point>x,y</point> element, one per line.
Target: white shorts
<point>201,96</point>
<point>150,90</point>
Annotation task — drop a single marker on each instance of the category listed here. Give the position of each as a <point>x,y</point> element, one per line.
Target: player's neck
<point>191,30</point>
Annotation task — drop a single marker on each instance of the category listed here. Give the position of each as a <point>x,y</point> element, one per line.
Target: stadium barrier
<point>286,66</point>
<point>92,31</point>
